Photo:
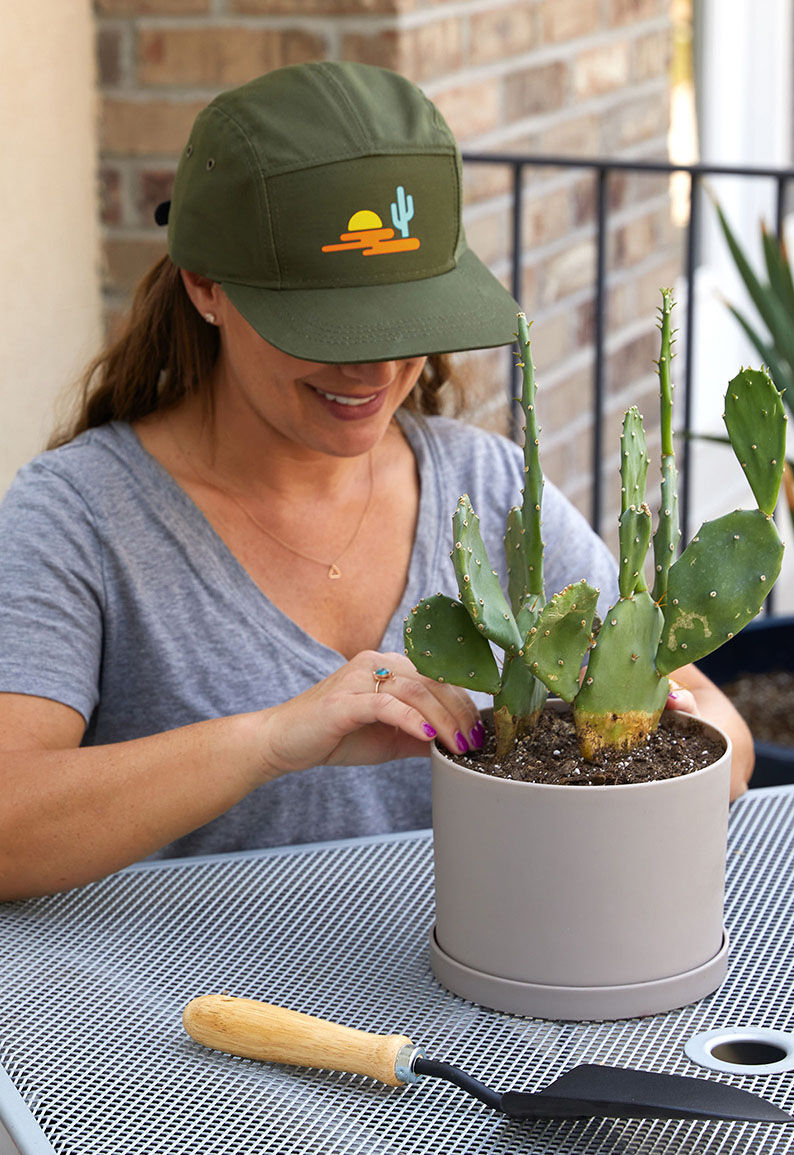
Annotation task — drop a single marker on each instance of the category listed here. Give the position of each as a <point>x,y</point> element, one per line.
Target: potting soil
<point>550,754</point>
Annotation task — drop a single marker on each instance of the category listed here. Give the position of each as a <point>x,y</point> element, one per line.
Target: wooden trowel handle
<point>257,1030</point>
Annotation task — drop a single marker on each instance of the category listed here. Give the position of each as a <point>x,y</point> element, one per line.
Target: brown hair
<point>166,352</point>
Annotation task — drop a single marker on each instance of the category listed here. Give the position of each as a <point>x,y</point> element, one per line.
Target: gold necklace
<point>334,572</point>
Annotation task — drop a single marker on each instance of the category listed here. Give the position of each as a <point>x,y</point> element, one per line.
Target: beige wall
<point>49,288</point>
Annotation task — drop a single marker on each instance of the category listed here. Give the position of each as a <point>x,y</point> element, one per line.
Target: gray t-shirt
<point>118,598</point>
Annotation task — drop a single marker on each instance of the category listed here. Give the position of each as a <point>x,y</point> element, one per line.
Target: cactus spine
<point>711,592</point>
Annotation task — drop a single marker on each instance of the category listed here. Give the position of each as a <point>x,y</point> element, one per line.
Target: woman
<point>206,579</point>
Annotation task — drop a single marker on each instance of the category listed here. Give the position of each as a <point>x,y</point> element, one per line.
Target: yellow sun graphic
<point>364,219</point>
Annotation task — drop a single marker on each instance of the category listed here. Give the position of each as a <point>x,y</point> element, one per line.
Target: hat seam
<point>322,162</point>
<point>268,243</point>
<point>348,103</point>
<point>259,178</point>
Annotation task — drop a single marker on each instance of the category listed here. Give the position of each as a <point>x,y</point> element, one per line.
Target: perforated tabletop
<point>95,1060</point>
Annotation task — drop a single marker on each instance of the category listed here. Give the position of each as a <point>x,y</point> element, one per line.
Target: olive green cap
<point>325,199</point>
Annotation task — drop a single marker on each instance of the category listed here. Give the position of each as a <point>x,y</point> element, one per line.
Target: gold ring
<point>380,676</point>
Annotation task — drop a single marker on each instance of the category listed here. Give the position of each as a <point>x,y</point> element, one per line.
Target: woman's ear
<point>204,293</point>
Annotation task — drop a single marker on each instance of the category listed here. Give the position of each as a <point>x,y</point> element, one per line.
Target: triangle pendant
<point>334,571</point>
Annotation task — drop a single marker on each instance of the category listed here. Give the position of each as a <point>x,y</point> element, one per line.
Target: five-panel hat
<point>325,199</point>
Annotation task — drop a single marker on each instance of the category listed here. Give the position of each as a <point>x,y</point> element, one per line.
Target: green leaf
<point>774,315</point>
<point>778,269</point>
<point>777,365</point>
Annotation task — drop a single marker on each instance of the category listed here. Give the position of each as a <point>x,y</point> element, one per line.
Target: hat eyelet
<point>210,164</point>
<point>189,150</point>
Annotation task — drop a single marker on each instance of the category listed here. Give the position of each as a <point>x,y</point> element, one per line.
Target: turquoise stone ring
<point>380,676</point>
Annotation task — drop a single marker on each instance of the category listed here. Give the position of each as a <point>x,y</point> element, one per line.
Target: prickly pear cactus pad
<point>556,646</point>
<point>623,694</point>
<point>722,578</point>
<point>756,424</point>
<point>718,585</point>
<point>442,640</point>
<point>478,585</point>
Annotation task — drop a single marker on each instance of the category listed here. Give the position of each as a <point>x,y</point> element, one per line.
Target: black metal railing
<point>602,169</point>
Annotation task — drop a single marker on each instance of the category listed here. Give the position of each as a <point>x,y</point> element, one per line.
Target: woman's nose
<point>376,374</point>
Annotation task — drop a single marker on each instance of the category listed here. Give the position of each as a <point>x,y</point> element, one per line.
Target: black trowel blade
<point>597,1091</point>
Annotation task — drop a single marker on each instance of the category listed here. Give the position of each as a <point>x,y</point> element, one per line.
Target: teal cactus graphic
<point>402,213</point>
<point>698,601</point>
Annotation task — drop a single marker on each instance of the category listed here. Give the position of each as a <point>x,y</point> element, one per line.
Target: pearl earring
<point>210,318</point>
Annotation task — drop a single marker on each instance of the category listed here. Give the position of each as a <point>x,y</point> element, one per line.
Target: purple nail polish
<point>463,745</point>
<point>428,729</point>
<point>477,737</point>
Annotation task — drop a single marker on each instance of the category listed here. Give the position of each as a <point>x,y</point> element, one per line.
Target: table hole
<point>743,1050</point>
<point>748,1053</point>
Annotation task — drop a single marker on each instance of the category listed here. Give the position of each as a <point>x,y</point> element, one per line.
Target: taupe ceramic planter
<point>580,902</point>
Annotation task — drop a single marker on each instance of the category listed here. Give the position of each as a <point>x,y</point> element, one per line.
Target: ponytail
<point>165,353</point>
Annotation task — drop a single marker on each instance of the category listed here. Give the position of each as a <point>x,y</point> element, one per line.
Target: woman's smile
<point>351,406</point>
<point>340,400</point>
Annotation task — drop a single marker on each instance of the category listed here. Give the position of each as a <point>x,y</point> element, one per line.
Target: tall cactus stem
<point>533,476</point>
<point>668,530</point>
<point>634,528</point>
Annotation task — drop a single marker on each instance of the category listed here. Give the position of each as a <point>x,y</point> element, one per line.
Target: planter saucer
<point>579,1004</point>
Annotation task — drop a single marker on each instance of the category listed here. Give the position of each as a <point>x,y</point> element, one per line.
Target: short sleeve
<point>51,591</point>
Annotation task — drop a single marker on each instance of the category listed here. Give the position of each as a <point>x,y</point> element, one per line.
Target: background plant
<point>697,602</point>
<point>772,294</point>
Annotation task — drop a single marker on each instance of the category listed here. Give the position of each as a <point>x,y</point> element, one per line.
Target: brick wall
<point>577,77</point>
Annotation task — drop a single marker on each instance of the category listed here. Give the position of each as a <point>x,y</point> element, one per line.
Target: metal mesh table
<point>95,1060</point>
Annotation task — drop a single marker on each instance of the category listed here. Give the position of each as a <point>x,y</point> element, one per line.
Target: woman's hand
<point>353,718</point>
<point>682,699</point>
<point>693,693</point>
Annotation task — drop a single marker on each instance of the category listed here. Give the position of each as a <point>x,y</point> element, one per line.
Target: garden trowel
<point>257,1030</point>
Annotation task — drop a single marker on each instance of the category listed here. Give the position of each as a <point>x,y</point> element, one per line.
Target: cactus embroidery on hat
<point>367,233</point>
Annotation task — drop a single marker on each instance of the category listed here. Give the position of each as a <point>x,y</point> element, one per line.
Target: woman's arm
<point>694,693</point>
<point>71,814</point>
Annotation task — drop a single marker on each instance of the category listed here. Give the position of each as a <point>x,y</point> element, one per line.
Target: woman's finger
<point>448,709</point>
<point>681,699</point>
<point>375,708</point>
<point>338,725</point>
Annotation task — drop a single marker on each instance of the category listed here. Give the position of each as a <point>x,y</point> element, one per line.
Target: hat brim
<point>466,308</point>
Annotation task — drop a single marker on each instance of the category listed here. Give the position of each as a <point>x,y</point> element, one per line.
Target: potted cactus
<point>594,901</point>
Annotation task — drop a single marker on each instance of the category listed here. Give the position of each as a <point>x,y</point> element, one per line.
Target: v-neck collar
<point>225,568</point>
